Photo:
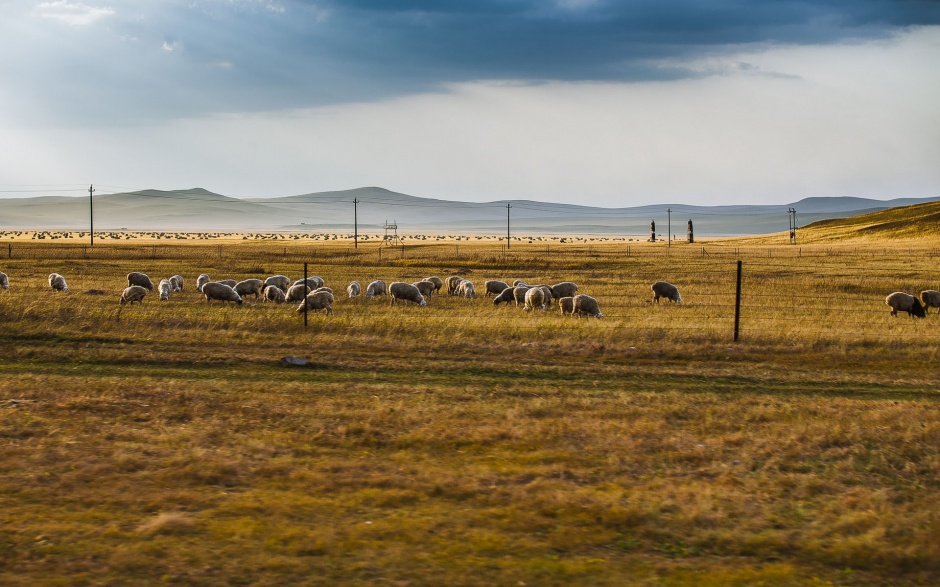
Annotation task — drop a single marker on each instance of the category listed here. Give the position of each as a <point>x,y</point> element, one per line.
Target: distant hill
<point>905,222</point>
<point>200,209</point>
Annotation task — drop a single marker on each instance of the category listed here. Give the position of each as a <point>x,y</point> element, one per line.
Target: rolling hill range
<point>200,209</point>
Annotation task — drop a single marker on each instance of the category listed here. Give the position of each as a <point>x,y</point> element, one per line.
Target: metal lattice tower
<point>392,239</point>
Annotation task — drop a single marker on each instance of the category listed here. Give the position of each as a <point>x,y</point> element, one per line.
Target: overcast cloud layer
<point>585,101</point>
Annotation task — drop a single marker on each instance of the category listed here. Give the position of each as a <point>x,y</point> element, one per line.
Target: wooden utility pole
<point>355,223</point>
<point>91,214</point>
<point>508,206</point>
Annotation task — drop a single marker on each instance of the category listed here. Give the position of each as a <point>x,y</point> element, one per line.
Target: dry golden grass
<point>466,444</point>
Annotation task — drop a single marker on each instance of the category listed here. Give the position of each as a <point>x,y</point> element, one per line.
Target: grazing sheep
<point>57,282</point>
<point>318,300</point>
<point>534,299</point>
<point>426,288</point>
<point>313,282</point>
<point>565,289</point>
<point>281,281</point>
<point>566,304</point>
<point>165,288</point>
<point>451,283</point>
<point>437,281</point>
<point>201,281</point>
<point>141,279</point>
<point>518,293</point>
<point>352,290</point>
<point>505,296</point>
<point>494,286</point>
<point>584,304</point>
<point>906,303</point>
<point>249,286</point>
<point>177,282</point>
<point>298,292</point>
<point>133,293</point>
<point>662,289</point>
<point>220,291</point>
<point>930,297</point>
<point>376,288</point>
<point>519,283</point>
<point>273,293</point>
<point>400,290</point>
<point>229,282</point>
<point>4,280</point>
<point>323,288</point>
<point>465,289</point>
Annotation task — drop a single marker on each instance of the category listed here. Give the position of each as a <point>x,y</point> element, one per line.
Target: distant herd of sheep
<point>315,296</point>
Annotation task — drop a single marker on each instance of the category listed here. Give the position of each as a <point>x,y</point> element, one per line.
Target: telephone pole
<point>792,214</point>
<point>669,227</point>
<point>508,206</point>
<point>356,223</point>
<point>91,214</point>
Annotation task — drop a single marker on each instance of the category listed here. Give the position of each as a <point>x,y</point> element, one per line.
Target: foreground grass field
<point>466,444</point>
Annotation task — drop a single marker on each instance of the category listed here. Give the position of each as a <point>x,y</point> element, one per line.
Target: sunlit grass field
<point>467,444</point>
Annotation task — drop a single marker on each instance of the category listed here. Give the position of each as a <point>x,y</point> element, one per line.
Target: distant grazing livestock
<point>281,281</point>
<point>451,283</point>
<point>313,282</point>
<point>400,290</point>
<point>465,289</point>
<point>376,288</point>
<point>519,283</point>
<point>505,297</point>
<point>220,291</point>
<point>133,293</point>
<point>57,282</point>
<point>318,300</point>
<point>229,282</point>
<point>353,289</point>
<point>201,281</point>
<point>566,304</point>
<point>273,293</point>
<point>298,292</point>
<point>494,286</point>
<point>586,305</point>
<point>177,282</point>
<point>165,287</point>
<point>518,293</point>
<point>663,289</point>
<point>248,287</point>
<point>4,280</point>
<point>906,303</point>
<point>141,279</point>
<point>930,297</point>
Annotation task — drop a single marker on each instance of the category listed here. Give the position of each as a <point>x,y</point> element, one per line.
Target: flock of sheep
<point>905,302</point>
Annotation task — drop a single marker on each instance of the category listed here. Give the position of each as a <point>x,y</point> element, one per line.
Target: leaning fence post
<point>737,305</point>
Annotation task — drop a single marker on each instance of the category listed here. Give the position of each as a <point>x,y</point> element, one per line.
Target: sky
<point>600,102</point>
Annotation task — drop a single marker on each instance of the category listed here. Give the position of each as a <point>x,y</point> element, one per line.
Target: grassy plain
<point>465,444</point>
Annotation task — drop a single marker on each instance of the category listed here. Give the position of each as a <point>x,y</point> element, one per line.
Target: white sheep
<point>535,299</point>
<point>273,293</point>
<point>585,304</point>
<point>566,304</point>
<point>165,288</point>
<point>229,282</point>
<point>313,282</point>
<point>663,289</point>
<point>323,288</point>
<point>505,296</point>
<point>246,287</point>
<point>464,289</point>
<point>930,297</point>
<point>905,302</point>
<point>201,281</point>
<point>565,289</point>
<point>376,288</point>
<point>133,293</point>
<point>518,294</point>
<point>353,289</point>
<point>437,281</point>
<point>4,280</point>
<point>141,279</point>
<point>519,283</point>
<point>298,292</point>
<point>57,282</point>
<point>319,300</point>
<point>451,283</point>
<point>281,281</point>
<point>426,287</point>
<point>220,291</point>
<point>494,286</point>
<point>399,290</point>
<point>177,282</point>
